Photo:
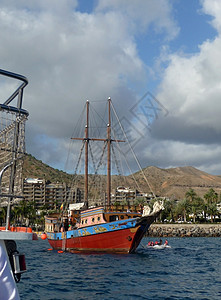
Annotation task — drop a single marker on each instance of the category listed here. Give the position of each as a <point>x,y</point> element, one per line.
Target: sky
<point>158,60</point>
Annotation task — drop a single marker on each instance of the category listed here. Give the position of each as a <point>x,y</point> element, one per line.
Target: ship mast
<point>86,155</point>
<point>86,140</point>
<point>108,140</point>
<point>109,155</point>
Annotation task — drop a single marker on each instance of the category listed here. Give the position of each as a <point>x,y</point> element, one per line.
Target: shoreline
<point>184,230</point>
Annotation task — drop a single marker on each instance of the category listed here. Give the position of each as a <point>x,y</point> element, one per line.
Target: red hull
<point>120,241</point>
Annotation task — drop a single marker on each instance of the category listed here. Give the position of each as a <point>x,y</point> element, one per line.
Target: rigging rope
<point>101,161</point>
<point>115,158</point>
<point>128,165</point>
<point>137,161</point>
<point>79,159</point>
<point>92,157</point>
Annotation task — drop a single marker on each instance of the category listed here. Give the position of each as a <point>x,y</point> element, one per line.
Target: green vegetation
<point>26,214</point>
<point>193,208</point>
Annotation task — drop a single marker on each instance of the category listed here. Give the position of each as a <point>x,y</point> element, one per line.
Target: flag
<point>61,206</point>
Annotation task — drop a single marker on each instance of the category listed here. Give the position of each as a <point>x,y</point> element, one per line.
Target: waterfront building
<point>49,194</point>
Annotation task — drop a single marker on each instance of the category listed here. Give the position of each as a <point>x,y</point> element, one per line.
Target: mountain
<point>175,182</point>
<point>172,182</point>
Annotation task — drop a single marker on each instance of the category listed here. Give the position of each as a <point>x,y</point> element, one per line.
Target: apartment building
<point>49,194</point>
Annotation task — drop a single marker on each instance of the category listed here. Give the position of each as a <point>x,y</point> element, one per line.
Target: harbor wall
<point>184,230</point>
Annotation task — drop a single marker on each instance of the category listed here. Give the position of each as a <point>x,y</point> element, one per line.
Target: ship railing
<point>123,208</point>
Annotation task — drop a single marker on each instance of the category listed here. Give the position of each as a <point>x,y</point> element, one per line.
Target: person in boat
<point>141,208</point>
<point>160,243</point>
<point>166,243</point>
<point>66,225</point>
<point>70,227</point>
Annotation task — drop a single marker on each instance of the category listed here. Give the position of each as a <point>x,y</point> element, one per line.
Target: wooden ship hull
<point>120,236</point>
<point>121,241</point>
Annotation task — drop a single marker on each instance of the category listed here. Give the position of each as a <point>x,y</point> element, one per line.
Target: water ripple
<point>191,269</point>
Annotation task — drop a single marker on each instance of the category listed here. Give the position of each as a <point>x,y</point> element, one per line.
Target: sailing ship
<point>106,228</point>
<point>12,149</point>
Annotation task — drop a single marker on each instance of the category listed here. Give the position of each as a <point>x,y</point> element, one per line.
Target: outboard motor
<point>16,259</point>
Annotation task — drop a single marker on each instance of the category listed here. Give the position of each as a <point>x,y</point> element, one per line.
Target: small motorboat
<point>158,245</point>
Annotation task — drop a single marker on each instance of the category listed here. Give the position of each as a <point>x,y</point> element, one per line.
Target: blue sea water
<point>191,269</point>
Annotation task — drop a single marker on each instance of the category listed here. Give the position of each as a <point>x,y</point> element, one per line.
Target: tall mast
<point>109,154</point>
<point>108,139</point>
<point>86,155</point>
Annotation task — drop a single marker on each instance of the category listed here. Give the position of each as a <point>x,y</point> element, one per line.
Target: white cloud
<point>191,91</point>
<point>141,14</point>
<point>191,86</point>
<point>213,8</point>
<point>69,56</point>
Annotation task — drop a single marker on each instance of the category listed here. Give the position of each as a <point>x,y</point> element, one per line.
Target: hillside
<point>34,168</point>
<point>172,183</point>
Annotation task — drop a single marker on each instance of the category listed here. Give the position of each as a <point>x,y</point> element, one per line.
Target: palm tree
<point>16,214</point>
<point>191,196</point>
<point>24,209</point>
<point>212,210</point>
<point>211,199</point>
<point>211,196</point>
<point>183,207</point>
<point>3,212</point>
<point>169,210</point>
<point>197,207</point>
<point>31,212</point>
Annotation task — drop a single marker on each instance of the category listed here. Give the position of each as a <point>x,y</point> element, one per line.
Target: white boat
<point>159,247</point>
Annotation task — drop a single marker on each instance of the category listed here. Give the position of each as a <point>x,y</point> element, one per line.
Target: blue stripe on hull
<point>92,230</point>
